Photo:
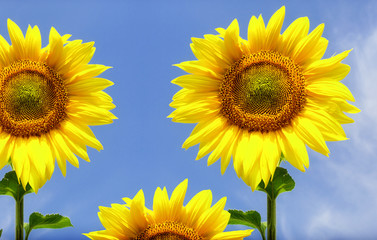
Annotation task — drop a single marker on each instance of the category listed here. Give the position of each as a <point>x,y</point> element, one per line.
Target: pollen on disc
<point>168,231</point>
<point>33,98</point>
<point>262,92</point>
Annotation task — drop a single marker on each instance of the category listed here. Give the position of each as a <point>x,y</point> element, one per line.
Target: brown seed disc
<point>168,231</point>
<point>33,99</point>
<point>262,92</point>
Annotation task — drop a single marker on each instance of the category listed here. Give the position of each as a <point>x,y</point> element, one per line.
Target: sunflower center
<point>262,92</point>
<point>168,231</point>
<point>33,99</point>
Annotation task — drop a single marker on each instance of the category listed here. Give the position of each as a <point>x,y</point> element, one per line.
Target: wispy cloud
<point>353,179</point>
<point>6,221</point>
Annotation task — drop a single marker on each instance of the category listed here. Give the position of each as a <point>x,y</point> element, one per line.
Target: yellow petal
<point>33,43</point>
<point>64,149</point>
<point>195,67</point>
<point>229,149</point>
<point>256,34</point>
<point>270,156</point>
<point>5,57</point>
<point>293,34</point>
<point>346,107</point>
<point>137,214</point>
<point>77,55</point>
<point>250,150</point>
<point>329,89</point>
<point>305,48</point>
<point>231,42</point>
<point>274,28</point>
<point>233,235</point>
<point>327,125</point>
<point>37,155</point>
<point>310,134</point>
<point>161,205</point>
<point>59,155</point>
<point>317,52</point>
<point>47,156</point>
<point>55,57</point>
<point>176,201</point>
<point>196,111</point>
<point>198,83</point>
<point>211,218</point>
<point>325,65</point>
<point>21,161</point>
<point>100,235</point>
<point>293,148</point>
<point>208,144</point>
<point>202,130</point>
<point>90,71</point>
<point>211,51</point>
<point>17,39</point>
<point>197,206</point>
<point>82,133</point>
<point>227,140</point>
<point>6,147</point>
<point>77,148</point>
<point>253,177</point>
<point>109,220</point>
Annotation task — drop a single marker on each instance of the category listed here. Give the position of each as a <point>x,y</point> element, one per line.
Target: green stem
<point>263,234</point>
<point>271,218</point>
<point>27,235</point>
<point>20,218</point>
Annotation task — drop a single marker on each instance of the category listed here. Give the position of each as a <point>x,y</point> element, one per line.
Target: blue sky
<point>336,198</point>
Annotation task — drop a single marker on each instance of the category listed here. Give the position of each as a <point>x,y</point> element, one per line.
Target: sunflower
<point>169,218</point>
<point>48,97</point>
<point>254,100</point>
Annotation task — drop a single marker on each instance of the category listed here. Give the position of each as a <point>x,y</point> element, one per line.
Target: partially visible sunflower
<point>259,98</point>
<point>48,97</point>
<point>169,220</point>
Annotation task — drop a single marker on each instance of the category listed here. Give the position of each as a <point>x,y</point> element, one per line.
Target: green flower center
<point>168,231</point>
<point>262,89</point>
<point>28,97</point>
<point>32,99</point>
<point>262,92</point>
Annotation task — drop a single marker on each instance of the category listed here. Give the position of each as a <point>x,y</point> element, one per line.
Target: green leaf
<point>9,185</point>
<point>281,182</point>
<point>249,218</point>
<point>1,231</point>
<point>37,220</point>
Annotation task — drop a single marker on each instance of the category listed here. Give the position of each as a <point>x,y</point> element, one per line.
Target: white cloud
<point>7,223</point>
<point>350,209</point>
<point>338,199</point>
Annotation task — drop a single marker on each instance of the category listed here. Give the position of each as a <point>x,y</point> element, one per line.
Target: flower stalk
<point>271,218</point>
<point>20,217</point>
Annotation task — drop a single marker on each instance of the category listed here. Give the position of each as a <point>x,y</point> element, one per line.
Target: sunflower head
<point>255,99</point>
<point>169,219</point>
<point>48,98</point>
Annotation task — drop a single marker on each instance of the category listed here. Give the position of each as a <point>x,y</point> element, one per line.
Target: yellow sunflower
<point>169,218</point>
<point>48,97</point>
<point>259,98</point>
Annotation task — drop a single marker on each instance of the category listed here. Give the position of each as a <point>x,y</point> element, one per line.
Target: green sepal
<point>37,220</point>
<point>264,225</point>
<point>281,182</point>
<point>249,218</point>
<point>282,158</point>
<point>10,185</point>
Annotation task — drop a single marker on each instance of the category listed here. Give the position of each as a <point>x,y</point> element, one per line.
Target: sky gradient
<point>336,198</point>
